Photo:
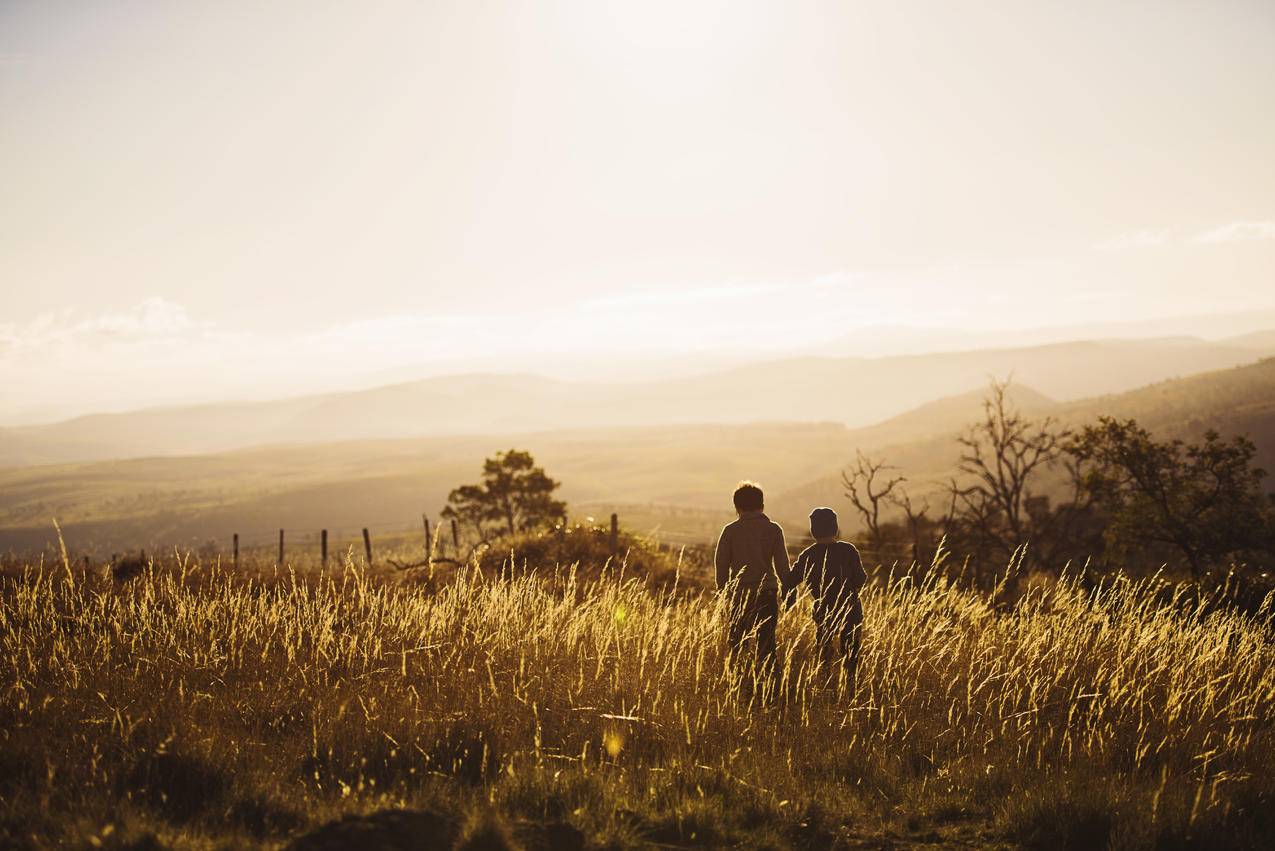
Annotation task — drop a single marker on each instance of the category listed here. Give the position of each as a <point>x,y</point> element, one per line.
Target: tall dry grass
<point>191,707</point>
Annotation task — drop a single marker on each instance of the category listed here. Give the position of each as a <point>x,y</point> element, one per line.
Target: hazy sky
<point>204,200</point>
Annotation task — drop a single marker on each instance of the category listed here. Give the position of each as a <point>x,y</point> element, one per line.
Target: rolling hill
<point>344,486</point>
<point>852,391</point>
<point>675,477</point>
<point>1233,401</point>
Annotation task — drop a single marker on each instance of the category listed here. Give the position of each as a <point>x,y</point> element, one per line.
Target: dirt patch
<point>388,830</point>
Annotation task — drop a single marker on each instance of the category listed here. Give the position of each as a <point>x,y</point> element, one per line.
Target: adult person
<point>752,565</point>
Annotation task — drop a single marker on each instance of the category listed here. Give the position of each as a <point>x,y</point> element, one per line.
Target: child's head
<point>748,497</point>
<point>823,525</point>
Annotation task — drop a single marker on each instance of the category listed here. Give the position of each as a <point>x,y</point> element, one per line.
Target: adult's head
<point>823,525</point>
<point>748,497</point>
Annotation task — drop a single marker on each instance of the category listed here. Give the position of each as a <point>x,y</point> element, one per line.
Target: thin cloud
<point>1248,231</point>
<point>717,294</point>
<point>150,320</point>
<point>1240,231</point>
<point>835,280</point>
<point>1138,239</point>
<point>697,295</point>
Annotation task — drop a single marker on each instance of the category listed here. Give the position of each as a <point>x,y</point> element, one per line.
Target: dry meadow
<point>190,707</point>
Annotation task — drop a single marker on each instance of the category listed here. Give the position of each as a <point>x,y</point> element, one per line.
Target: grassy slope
<point>213,714</point>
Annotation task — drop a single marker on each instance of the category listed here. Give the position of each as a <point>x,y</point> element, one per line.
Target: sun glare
<point>668,24</point>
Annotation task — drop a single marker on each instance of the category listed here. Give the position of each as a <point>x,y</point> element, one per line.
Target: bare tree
<point>1070,530</point>
<point>868,490</point>
<point>1002,454</point>
<point>914,519</point>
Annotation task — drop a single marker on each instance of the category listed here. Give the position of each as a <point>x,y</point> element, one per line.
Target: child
<point>833,572</point>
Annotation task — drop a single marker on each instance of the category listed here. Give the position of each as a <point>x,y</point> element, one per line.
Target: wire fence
<point>259,537</point>
<point>431,539</point>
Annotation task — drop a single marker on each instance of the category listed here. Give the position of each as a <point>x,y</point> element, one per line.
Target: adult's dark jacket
<point>751,552</point>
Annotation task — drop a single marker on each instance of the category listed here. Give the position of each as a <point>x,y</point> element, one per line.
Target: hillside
<point>1262,341</point>
<point>946,415</point>
<point>388,484</point>
<point>852,391</point>
<point>1231,401</point>
<point>675,478</point>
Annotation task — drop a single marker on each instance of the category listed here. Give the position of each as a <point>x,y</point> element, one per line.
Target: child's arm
<point>793,583</point>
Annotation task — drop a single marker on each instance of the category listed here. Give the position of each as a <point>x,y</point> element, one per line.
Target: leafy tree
<point>1203,501</point>
<point>514,496</point>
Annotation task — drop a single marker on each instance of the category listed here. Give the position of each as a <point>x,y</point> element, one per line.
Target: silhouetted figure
<point>128,567</point>
<point>752,562</point>
<point>833,572</point>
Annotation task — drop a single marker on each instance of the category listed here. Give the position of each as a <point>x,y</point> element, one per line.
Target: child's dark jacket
<point>834,574</point>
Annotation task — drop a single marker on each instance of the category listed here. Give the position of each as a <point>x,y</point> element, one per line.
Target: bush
<point>588,549</point>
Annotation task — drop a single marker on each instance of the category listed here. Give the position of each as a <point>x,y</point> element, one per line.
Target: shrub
<point>588,549</point>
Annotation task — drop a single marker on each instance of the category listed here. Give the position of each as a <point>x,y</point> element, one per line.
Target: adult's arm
<point>721,559</point>
<point>783,572</point>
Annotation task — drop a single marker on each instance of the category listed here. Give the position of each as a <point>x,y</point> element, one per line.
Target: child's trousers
<point>839,643</point>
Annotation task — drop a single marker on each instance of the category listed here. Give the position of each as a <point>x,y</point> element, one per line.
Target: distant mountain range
<point>676,477</point>
<point>849,391</point>
<point>877,340</point>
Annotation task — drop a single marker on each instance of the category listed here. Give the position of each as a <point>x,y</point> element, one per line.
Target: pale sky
<point>224,199</point>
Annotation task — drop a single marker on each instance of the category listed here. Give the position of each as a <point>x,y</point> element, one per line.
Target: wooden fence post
<point>367,545</point>
<point>323,539</point>
<point>236,549</point>
<point>455,537</point>
<point>281,548</point>
<point>428,543</point>
<point>615,533</point>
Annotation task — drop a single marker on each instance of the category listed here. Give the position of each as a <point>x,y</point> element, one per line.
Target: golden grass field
<point>192,708</point>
